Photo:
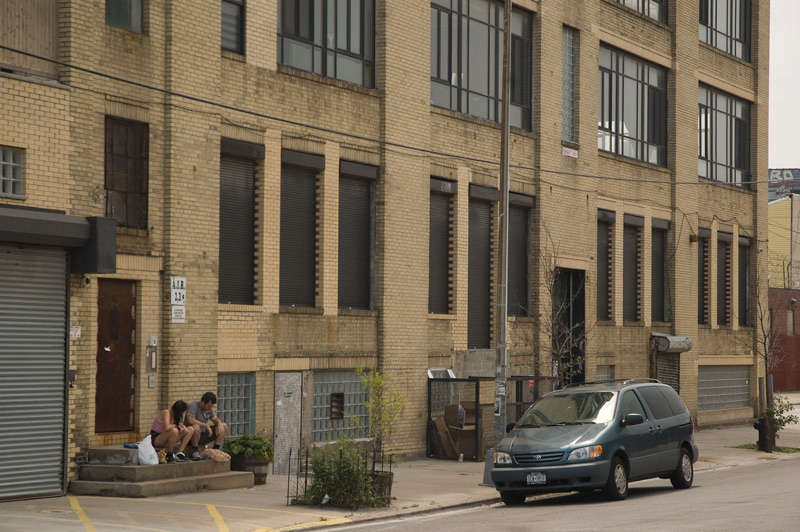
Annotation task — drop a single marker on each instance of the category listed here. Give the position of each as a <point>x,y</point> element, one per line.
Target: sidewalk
<point>419,486</point>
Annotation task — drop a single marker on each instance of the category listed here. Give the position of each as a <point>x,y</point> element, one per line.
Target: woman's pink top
<point>158,426</point>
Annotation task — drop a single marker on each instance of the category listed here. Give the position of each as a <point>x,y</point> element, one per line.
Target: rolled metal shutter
<point>439,255</point>
<point>298,237</point>
<point>659,276</point>
<point>518,304</point>
<point>723,286</point>
<point>630,266</point>
<point>603,311</point>
<point>33,321</point>
<point>479,278</point>
<point>236,230</point>
<point>355,243</point>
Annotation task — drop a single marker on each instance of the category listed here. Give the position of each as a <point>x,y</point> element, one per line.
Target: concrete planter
<point>259,468</point>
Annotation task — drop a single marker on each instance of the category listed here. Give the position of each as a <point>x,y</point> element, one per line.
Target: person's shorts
<point>206,437</point>
<point>153,436</point>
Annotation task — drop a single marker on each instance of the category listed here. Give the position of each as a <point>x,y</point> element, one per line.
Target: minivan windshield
<point>570,409</point>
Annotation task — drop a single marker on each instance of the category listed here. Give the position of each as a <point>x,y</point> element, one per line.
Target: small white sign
<point>569,152</point>
<point>75,331</point>
<point>178,290</point>
<point>178,314</point>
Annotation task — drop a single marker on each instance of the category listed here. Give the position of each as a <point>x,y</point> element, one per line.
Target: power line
<point>354,136</point>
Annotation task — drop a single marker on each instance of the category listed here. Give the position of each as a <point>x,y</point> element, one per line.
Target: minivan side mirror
<point>632,419</point>
<point>510,427</point>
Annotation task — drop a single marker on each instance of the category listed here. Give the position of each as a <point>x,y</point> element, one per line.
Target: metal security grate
<point>723,387</point>
<point>236,402</point>
<point>354,422</point>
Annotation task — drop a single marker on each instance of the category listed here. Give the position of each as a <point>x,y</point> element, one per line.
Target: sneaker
<point>170,458</point>
<point>180,457</point>
<point>196,456</point>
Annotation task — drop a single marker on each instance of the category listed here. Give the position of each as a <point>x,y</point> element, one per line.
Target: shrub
<point>341,473</point>
<point>256,447</point>
<point>778,414</point>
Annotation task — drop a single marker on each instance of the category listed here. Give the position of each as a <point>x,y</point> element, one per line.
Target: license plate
<point>537,478</point>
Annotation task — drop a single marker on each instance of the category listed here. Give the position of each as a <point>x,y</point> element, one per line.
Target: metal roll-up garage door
<point>33,320</point>
<point>479,276</point>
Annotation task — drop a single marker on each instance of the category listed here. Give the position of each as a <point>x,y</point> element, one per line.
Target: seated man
<point>207,426</point>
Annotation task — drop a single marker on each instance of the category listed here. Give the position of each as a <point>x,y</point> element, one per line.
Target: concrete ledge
<point>135,473</point>
<point>154,488</point>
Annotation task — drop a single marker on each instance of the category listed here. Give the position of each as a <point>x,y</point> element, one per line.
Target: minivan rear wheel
<point>616,488</point>
<point>683,476</point>
<point>512,498</point>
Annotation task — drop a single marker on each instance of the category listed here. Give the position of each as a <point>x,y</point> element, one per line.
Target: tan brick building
<point>302,188</point>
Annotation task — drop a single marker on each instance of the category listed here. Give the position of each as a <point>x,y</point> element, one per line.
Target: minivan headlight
<point>502,458</point>
<point>585,453</point>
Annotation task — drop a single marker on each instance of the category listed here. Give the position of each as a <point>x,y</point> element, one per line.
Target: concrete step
<point>166,486</point>
<point>113,455</point>
<point>134,473</point>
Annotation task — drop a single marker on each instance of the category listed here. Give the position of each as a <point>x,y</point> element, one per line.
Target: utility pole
<point>501,376</point>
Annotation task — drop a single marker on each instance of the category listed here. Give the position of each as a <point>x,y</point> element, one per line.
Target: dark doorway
<point>569,323</point>
<point>116,324</point>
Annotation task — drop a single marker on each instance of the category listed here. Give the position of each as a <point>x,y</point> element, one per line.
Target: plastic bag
<point>217,455</point>
<point>147,453</point>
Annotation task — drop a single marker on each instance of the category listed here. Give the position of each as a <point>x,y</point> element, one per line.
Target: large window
<point>631,270</point>
<point>725,24</point>
<point>233,26</point>
<point>655,9</point>
<point>633,107</point>
<point>333,38</point>
<point>10,171</point>
<point>440,245</point>
<point>467,59</point>
<point>518,255</point>
<point>126,172</point>
<point>659,278</point>
<point>298,252</point>
<point>723,277</point>
<point>569,84</point>
<point>703,277</point>
<point>125,14</point>
<point>237,219</point>
<point>724,137</point>
<point>356,228</point>
<point>479,279</point>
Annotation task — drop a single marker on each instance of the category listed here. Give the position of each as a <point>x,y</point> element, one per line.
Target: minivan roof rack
<point>611,381</point>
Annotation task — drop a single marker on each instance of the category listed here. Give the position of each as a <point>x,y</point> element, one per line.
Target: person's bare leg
<point>222,431</point>
<point>188,433</point>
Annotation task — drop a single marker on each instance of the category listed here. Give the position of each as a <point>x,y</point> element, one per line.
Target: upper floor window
<point>633,107</point>
<point>467,59</point>
<point>10,171</point>
<point>356,234</point>
<point>333,38</point>
<point>126,172</point>
<point>659,272</point>
<point>233,26</point>
<point>125,14</point>
<point>655,9</point>
<point>440,242</point>
<point>569,84</point>
<point>724,137</point>
<point>725,24</point>
<point>744,281</point>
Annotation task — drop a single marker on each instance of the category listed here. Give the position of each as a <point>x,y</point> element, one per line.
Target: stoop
<point>113,472</point>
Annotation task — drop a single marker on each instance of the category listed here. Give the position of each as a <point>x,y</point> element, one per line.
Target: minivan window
<point>674,400</point>
<point>656,401</point>
<point>586,407</point>
<point>630,404</point>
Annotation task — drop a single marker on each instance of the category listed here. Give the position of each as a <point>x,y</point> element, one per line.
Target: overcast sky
<point>784,84</point>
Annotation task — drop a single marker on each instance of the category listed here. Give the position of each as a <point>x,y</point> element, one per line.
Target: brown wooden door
<point>116,324</point>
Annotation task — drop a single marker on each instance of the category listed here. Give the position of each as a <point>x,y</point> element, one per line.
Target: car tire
<point>512,498</point>
<point>616,488</point>
<point>683,476</point>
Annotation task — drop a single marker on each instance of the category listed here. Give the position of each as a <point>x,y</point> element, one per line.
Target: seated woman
<point>168,429</point>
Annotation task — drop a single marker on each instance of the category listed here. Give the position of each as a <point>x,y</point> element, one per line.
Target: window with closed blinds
<point>237,230</point>
<point>479,277</point>
<point>355,243</point>
<point>298,237</point>
<point>723,283</point>
<point>439,255</point>
<point>232,34</point>
<point>631,274</point>
<point>603,268</point>
<point>518,230</point>
<point>744,282</point>
<point>659,291</point>
<point>702,281</point>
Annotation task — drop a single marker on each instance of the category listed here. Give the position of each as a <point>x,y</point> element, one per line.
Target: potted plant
<point>250,453</point>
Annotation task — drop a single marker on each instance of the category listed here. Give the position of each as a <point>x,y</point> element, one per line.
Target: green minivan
<point>597,436</point>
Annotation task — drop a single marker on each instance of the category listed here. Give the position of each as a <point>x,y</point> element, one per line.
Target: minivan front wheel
<point>616,488</point>
<point>683,476</point>
<point>512,498</point>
